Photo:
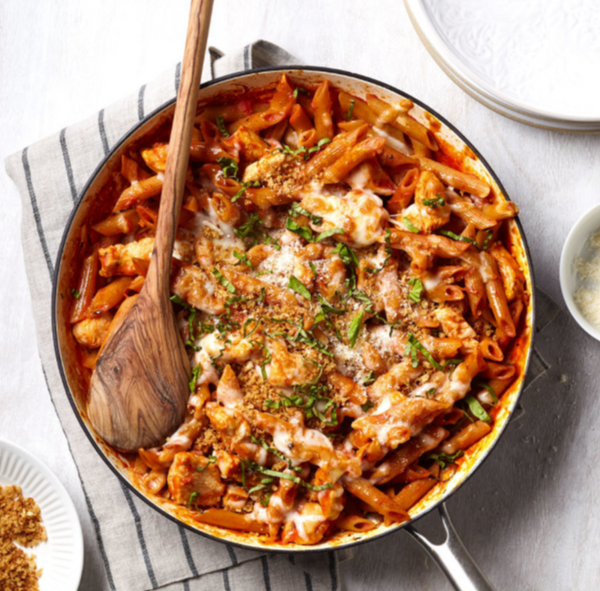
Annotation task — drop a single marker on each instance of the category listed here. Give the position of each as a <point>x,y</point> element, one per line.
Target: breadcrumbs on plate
<point>20,522</point>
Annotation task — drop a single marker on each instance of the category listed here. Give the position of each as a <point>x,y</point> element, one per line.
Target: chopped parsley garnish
<point>412,346</point>
<point>297,210</point>
<point>196,372</point>
<point>296,285</point>
<point>416,289</point>
<point>230,167</point>
<point>243,258</point>
<point>306,398</point>
<point>75,293</point>
<point>223,280</point>
<point>211,460</point>
<point>410,226</point>
<point>350,110</point>
<point>221,126</point>
<point>457,237</point>
<point>433,203</point>
<point>354,328</point>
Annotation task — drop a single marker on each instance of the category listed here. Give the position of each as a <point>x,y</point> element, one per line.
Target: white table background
<point>530,516</point>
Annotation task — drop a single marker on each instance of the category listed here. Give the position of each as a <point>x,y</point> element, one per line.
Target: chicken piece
<point>233,348</point>
<point>156,157</point>
<point>332,278</point>
<point>229,393</point>
<point>91,332</point>
<point>229,465</point>
<point>430,210</point>
<point>453,323</point>
<point>359,213</point>
<point>305,526</point>
<point>289,369</point>
<point>198,289</point>
<point>235,498</point>
<point>268,166</point>
<point>119,258</point>
<point>191,473</point>
<point>230,423</point>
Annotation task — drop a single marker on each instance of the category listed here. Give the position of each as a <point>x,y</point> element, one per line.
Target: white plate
<point>536,61</point>
<point>61,556</point>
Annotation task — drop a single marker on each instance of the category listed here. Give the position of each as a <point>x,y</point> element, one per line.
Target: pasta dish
<point>348,299</point>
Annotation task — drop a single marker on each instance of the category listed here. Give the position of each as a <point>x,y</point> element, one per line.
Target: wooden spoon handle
<point>158,278</point>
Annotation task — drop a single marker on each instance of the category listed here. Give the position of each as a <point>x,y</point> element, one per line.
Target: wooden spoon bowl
<point>139,387</point>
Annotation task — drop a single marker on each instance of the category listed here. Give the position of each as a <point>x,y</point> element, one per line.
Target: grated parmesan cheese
<point>587,296</point>
<point>281,265</point>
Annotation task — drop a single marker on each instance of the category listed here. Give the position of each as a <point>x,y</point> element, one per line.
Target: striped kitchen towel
<point>139,548</point>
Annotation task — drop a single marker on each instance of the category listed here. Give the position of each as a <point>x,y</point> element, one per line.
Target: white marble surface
<point>530,516</point>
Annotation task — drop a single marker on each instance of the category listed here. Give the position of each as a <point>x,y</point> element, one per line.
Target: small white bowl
<point>574,246</point>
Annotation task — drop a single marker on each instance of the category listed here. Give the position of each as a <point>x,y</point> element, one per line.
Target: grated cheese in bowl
<point>587,295</point>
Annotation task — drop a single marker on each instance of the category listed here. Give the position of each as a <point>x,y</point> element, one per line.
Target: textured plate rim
<point>518,110</point>
<point>64,497</point>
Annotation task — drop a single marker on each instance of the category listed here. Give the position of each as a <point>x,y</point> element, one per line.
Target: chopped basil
<point>367,406</point>
<point>312,268</point>
<point>453,362</point>
<point>267,360</point>
<point>296,285</point>
<point>302,231</point>
<point>316,148</point>
<point>428,394</point>
<point>371,377</point>
<point>192,499</point>
<point>300,90</point>
<point>196,373</point>
<point>388,251</point>
<point>243,187</point>
<point>211,460</point>
<point>180,302</point>
<point>413,345</point>
<point>433,203</point>
<point>223,280</point>
<point>264,273</point>
<point>328,234</point>
<point>442,459</point>
<point>327,307</point>
<point>488,238</point>
<point>296,479</point>
<point>75,293</point>
<point>361,296</point>
<point>489,389</point>
<point>477,410</point>
<point>410,226</point>
<point>297,210</point>
<point>273,451</point>
<point>221,126</point>
<point>247,323</point>
<point>350,110</point>
<point>285,149</point>
<point>416,289</point>
<point>457,237</point>
<point>346,254</point>
<point>243,258</point>
<point>354,328</point>
<point>230,167</point>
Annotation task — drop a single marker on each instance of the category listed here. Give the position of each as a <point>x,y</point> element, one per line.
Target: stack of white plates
<point>535,61</point>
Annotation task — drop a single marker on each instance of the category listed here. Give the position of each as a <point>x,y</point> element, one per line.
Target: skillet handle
<point>453,558</point>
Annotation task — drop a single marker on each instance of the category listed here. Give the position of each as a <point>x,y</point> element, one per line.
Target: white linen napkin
<point>140,548</point>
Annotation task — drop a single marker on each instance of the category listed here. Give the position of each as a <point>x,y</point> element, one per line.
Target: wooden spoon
<point>140,385</point>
